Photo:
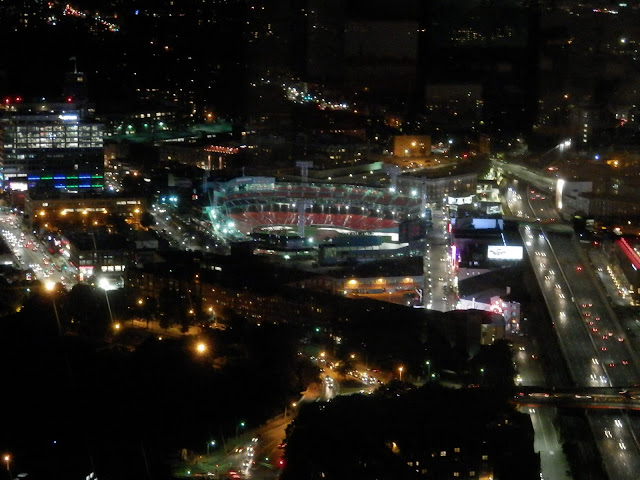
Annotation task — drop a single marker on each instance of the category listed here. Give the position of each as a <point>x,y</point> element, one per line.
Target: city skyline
<point>319,239</point>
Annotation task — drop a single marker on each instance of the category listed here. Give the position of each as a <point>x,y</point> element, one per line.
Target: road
<point>439,285</point>
<point>618,448</point>
<point>31,255</point>
<point>552,459</point>
<point>593,343</point>
<point>181,235</point>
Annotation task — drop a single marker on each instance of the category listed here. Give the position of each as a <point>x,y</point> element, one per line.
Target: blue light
<point>59,177</point>
<point>84,176</point>
<point>60,185</point>
<point>33,178</point>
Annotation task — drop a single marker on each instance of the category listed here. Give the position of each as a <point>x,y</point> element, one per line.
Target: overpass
<point>589,398</point>
<point>533,178</point>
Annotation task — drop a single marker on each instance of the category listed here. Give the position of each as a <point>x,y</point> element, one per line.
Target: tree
<point>147,219</point>
<point>86,308</point>
<point>117,222</point>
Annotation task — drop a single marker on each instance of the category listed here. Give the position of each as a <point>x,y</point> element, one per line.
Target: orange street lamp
<point>7,459</point>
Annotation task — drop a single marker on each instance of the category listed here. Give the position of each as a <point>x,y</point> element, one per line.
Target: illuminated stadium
<point>248,204</point>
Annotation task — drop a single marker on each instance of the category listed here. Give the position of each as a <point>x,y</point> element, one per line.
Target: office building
<point>50,146</point>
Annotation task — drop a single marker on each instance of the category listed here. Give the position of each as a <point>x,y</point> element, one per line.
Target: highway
<point>594,313</point>
<point>593,343</point>
<point>617,445</point>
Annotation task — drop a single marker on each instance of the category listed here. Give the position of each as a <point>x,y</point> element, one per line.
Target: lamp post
<point>241,424</point>
<point>428,363</point>
<point>103,283</point>
<point>50,286</point>
<point>400,369</point>
<point>286,407</point>
<point>211,443</point>
<point>7,460</point>
<point>482,374</point>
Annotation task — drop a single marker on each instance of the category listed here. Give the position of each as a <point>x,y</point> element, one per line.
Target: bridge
<point>535,179</point>
<point>586,398</point>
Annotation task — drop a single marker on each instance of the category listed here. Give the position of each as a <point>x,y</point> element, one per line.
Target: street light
<point>50,287</point>
<point>105,285</point>
<point>211,443</point>
<point>7,459</point>
<point>428,363</point>
<point>400,369</point>
<point>241,424</point>
<point>201,348</point>
<point>286,408</point>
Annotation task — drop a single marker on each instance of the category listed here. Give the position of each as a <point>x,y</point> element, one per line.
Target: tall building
<point>50,146</point>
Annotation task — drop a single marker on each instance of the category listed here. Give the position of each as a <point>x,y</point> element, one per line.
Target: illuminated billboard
<point>504,252</point>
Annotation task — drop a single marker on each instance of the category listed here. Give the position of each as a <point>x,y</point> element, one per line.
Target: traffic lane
<point>553,297</point>
<point>567,325</point>
<point>28,250</point>
<point>553,462</point>
<point>613,351</point>
<point>615,442</point>
<point>585,293</point>
<point>529,370</point>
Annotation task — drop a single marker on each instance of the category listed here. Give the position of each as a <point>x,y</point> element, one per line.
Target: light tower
<point>302,207</point>
<point>304,166</point>
<point>393,171</point>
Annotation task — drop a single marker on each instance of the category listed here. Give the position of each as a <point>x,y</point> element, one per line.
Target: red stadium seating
<point>246,221</point>
<point>340,196</point>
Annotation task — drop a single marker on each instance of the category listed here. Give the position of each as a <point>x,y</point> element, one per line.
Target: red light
<point>17,99</point>
<point>69,99</point>
<point>7,100</point>
<point>465,155</point>
<point>281,462</point>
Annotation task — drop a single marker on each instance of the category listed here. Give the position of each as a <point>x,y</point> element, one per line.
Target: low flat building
<point>52,210</point>
<point>97,252</point>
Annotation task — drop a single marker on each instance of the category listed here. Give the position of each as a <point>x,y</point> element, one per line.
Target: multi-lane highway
<point>617,444</point>
<point>593,343</point>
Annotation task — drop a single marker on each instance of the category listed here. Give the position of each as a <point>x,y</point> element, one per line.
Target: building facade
<point>50,146</point>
